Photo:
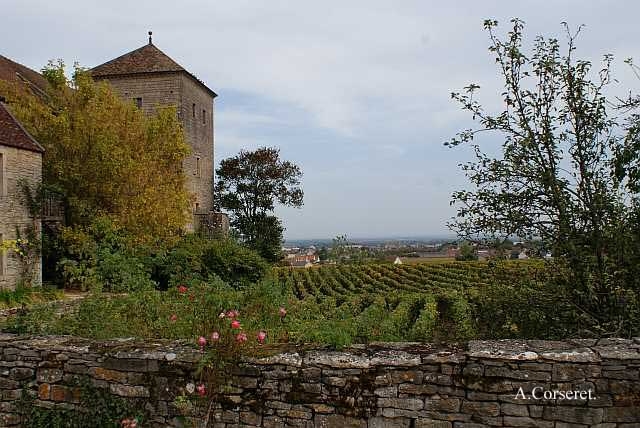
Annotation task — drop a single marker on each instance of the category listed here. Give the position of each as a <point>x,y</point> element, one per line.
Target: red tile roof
<point>147,59</point>
<point>12,133</point>
<point>14,72</point>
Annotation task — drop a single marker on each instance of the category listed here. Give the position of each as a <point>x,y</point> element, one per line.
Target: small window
<point>198,167</point>
<point>197,206</point>
<point>193,110</point>
<point>139,102</point>
<point>204,115</point>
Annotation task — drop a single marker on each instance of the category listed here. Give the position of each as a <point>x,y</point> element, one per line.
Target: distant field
<point>347,280</point>
<point>416,260</point>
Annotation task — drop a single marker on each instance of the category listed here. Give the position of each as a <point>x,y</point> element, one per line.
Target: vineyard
<point>422,302</point>
<point>346,280</point>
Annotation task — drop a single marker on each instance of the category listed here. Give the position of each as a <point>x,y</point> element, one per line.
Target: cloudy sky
<point>355,92</point>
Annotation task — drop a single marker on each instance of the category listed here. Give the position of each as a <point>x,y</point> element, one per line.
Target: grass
<point>27,296</point>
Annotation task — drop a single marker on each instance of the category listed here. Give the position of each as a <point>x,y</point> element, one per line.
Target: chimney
<point>150,33</point>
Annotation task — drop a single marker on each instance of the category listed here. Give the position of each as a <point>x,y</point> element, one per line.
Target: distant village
<point>400,252</point>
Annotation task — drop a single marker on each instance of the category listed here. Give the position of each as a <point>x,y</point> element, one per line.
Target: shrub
<point>99,257</point>
<point>194,257</point>
<point>233,263</point>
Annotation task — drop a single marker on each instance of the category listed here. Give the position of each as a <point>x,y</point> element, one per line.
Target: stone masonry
<point>17,164</point>
<point>505,383</point>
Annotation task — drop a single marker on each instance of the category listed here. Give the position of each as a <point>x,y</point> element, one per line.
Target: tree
<point>100,151</point>
<point>467,252</point>
<point>555,180</point>
<point>249,185</point>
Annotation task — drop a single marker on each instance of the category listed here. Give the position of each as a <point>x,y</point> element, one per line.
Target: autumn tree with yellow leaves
<point>105,155</point>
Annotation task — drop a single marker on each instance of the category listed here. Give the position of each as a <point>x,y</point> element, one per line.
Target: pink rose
<point>235,324</point>
<point>173,318</point>
<point>282,311</point>
<point>202,341</point>
<point>201,390</point>
<point>262,335</point>
<point>182,289</point>
<point>215,336</point>
<point>241,337</point>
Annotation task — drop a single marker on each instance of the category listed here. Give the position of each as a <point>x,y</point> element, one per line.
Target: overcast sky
<point>355,92</point>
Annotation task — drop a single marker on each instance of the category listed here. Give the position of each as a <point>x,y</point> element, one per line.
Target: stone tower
<point>148,77</point>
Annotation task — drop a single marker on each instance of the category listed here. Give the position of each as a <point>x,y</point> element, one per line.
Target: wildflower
<point>173,318</point>
<point>233,314</point>
<point>202,342</point>
<point>282,311</point>
<point>215,336</point>
<point>182,289</point>
<point>235,324</point>
<point>129,423</point>
<point>222,315</point>
<point>201,389</point>
<point>262,335</point>
<point>241,337</point>
<point>190,388</point>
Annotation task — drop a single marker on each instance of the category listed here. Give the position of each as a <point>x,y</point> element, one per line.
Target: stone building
<point>148,77</point>
<point>20,162</point>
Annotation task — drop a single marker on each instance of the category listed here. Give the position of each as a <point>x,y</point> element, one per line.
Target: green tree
<point>554,180</point>
<point>249,185</point>
<point>100,150</point>
<point>467,252</point>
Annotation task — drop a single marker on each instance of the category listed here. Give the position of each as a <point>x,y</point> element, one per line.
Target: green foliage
<point>99,257</point>
<point>249,185</point>
<point>23,295</point>
<point>100,409</point>
<point>194,257</point>
<point>467,252</point>
<point>340,305</point>
<point>567,172</point>
<point>233,263</point>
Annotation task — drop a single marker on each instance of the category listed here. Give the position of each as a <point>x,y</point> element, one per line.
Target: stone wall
<point>497,383</point>
<point>17,165</point>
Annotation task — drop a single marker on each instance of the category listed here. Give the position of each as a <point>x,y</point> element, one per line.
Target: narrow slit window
<point>204,115</point>
<point>198,167</point>
<point>139,102</point>
<point>193,110</point>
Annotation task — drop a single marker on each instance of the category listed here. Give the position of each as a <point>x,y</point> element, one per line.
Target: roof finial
<point>150,33</point>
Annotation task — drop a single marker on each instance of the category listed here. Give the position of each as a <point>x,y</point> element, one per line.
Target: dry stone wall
<point>575,383</point>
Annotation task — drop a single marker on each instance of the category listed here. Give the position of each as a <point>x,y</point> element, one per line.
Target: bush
<point>194,257</point>
<point>233,263</point>
<point>99,257</point>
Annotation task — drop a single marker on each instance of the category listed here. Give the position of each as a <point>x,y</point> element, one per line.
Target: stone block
<point>21,373</point>
<point>516,421</point>
<point>401,403</point>
<point>578,415</point>
<point>382,422</point>
<point>431,423</point>
<point>480,408</point>
<point>129,391</point>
